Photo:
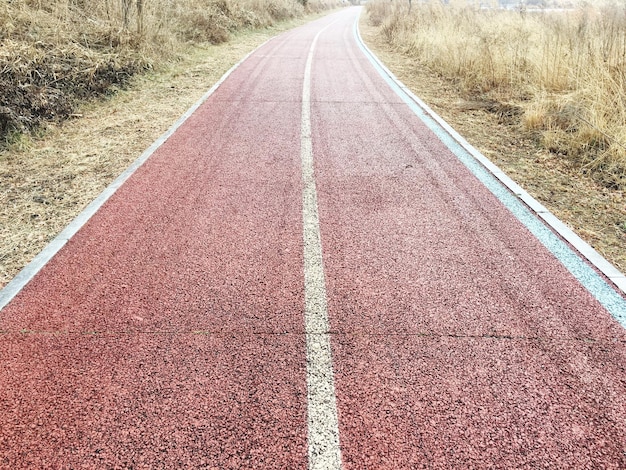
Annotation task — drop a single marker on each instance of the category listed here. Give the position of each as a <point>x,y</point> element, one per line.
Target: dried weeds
<point>58,53</point>
<point>565,70</point>
<point>596,212</point>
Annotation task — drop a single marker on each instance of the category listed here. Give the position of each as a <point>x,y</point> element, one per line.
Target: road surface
<point>305,274</point>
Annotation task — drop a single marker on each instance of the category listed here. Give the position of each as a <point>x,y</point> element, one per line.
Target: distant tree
<point>126,13</point>
<point>140,16</point>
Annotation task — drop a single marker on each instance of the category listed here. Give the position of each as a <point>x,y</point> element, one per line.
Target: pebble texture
<point>170,332</point>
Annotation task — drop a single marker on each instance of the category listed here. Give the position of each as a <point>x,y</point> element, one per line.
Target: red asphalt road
<point>169,332</point>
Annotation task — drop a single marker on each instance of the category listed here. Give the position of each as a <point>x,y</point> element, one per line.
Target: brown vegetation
<point>55,53</point>
<point>563,74</point>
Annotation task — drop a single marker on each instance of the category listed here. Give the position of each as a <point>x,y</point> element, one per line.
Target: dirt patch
<point>46,181</point>
<point>595,212</point>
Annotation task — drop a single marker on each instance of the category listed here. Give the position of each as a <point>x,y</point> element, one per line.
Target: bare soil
<point>596,213</point>
<point>46,180</point>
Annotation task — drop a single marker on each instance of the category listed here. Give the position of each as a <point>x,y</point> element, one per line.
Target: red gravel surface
<point>169,332</point>
<point>459,341</point>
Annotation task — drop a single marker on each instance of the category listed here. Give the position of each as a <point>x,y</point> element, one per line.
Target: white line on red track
<point>323,427</point>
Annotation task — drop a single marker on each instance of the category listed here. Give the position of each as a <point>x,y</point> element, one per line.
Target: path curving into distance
<point>309,272</point>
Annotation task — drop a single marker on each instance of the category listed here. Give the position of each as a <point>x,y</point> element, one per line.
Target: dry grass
<point>596,212</point>
<point>46,181</point>
<point>56,53</point>
<point>565,72</point>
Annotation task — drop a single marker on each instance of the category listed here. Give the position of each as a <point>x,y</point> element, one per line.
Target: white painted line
<point>25,275</point>
<point>605,294</point>
<point>323,424</point>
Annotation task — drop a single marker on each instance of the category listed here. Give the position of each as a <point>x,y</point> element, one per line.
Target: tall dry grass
<point>565,72</point>
<point>54,53</point>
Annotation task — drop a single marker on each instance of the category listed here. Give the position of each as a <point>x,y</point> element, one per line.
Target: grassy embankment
<point>542,94</point>
<point>58,146</point>
<point>56,53</point>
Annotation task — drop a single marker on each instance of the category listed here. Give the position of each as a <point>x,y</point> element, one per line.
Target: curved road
<point>305,274</point>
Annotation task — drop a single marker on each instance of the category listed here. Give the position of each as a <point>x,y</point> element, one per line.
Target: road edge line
<point>617,307</point>
<point>26,274</point>
<point>324,452</point>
